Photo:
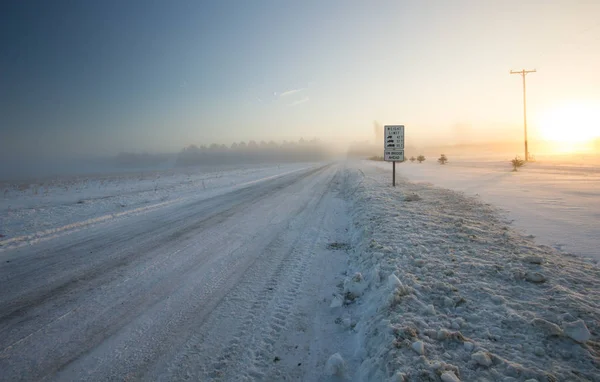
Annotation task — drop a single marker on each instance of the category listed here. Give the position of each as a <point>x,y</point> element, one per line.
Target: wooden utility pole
<point>523,73</point>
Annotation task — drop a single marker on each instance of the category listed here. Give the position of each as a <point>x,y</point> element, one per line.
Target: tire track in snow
<point>260,331</point>
<point>212,290</point>
<point>222,340</point>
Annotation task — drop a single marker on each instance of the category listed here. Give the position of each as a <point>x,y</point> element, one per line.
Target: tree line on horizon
<point>253,152</point>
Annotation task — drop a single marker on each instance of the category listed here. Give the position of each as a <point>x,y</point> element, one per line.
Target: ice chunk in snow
<point>419,347</point>
<point>336,302</point>
<point>469,346</point>
<point>481,358</point>
<point>394,281</point>
<point>449,376</point>
<point>547,327</point>
<point>535,277</point>
<point>335,365</point>
<point>347,322</point>
<point>539,351</point>
<point>355,286</point>
<point>577,331</point>
<point>429,309</point>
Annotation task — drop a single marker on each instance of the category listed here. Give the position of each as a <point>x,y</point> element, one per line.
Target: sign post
<point>393,147</point>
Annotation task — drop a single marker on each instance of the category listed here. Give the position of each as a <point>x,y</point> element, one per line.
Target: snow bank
<point>452,292</point>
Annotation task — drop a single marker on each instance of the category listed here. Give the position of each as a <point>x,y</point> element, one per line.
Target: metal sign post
<point>393,145</point>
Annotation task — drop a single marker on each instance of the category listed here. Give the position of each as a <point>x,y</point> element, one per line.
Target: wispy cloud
<point>291,92</point>
<point>300,101</point>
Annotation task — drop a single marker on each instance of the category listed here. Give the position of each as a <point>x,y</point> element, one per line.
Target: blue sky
<point>103,76</point>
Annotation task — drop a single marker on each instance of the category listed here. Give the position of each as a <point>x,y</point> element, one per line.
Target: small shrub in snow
<point>443,159</point>
<point>412,159</point>
<point>517,162</point>
<point>338,246</point>
<point>534,259</point>
<point>421,158</point>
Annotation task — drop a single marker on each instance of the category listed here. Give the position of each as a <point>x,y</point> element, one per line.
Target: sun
<point>571,123</point>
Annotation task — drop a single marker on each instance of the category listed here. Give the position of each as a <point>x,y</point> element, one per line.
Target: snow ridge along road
<point>209,289</point>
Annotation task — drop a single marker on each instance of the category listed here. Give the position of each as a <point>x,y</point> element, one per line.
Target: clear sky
<point>103,76</point>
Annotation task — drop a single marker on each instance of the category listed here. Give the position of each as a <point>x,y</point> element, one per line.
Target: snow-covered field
<point>34,210</point>
<point>555,200</point>
<point>312,272</point>
<point>446,289</point>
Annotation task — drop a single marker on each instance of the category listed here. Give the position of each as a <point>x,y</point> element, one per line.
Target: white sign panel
<point>394,156</point>
<point>393,143</point>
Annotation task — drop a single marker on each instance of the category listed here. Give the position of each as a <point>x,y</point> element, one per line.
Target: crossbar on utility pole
<point>523,73</point>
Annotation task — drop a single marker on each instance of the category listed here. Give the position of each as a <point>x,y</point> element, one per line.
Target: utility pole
<point>523,73</point>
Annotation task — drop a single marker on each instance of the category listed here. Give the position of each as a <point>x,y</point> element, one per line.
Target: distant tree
<point>443,159</point>
<point>234,146</point>
<point>412,159</point>
<point>192,149</point>
<point>214,147</point>
<point>421,158</point>
<point>252,145</point>
<point>242,145</point>
<point>517,162</point>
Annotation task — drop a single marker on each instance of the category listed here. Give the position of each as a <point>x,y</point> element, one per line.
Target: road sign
<point>393,142</point>
<point>395,155</point>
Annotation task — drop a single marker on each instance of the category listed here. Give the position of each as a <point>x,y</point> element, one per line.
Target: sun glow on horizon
<point>576,122</point>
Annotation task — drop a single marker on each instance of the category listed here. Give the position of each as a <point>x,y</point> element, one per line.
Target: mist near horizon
<point>85,83</point>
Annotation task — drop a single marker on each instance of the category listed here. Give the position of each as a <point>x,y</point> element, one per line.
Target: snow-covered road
<point>221,287</point>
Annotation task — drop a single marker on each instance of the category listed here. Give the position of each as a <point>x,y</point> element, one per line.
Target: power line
<point>523,73</point>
